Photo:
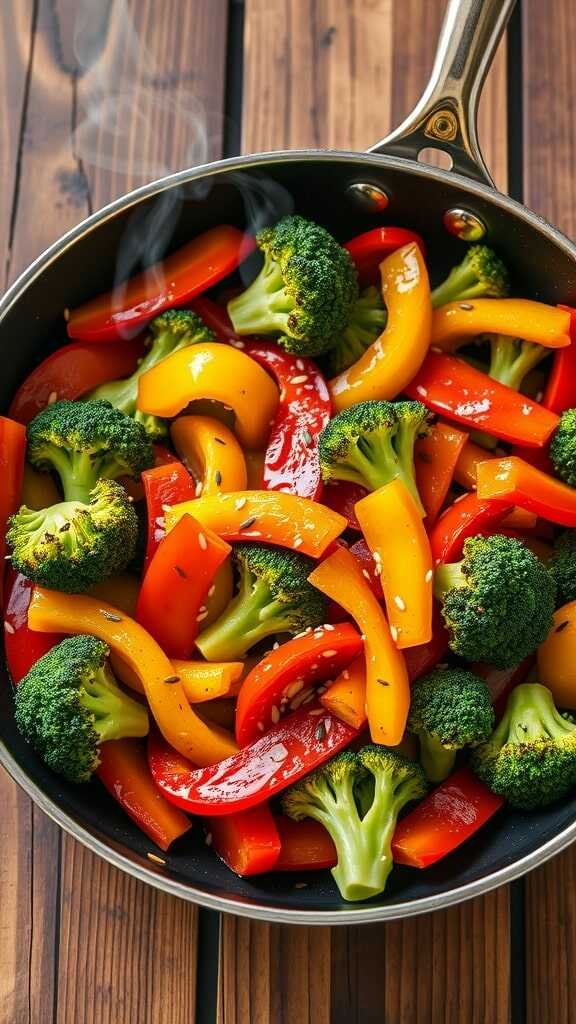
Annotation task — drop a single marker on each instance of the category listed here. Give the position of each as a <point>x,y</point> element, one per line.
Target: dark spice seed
<point>172,679</point>
<point>218,477</point>
<point>320,733</point>
<point>247,523</point>
<point>424,457</point>
<point>562,626</point>
<point>383,682</point>
<point>65,528</point>
<point>181,572</point>
<point>220,441</point>
<point>466,306</point>
<point>110,616</point>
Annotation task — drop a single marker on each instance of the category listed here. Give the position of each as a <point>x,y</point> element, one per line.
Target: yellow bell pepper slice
<point>454,323</point>
<point>391,362</point>
<point>220,373</point>
<point>387,689</point>
<point>38,489</point>
<point>557,657</point>
<point>270,517</point>
<point>53,612</point>
<point>202,680</point>
<point>393,529</point>
<point>212,453</point>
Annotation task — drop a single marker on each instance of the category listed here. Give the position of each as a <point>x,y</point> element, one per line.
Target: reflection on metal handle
<point>445,116</point>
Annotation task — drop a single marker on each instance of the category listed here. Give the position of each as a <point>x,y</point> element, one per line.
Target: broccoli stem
<point>116,715</point>
<point>435,759</point>
<point>530,715</point>
<point>77,471</point>
<point>512,359</point>
<point>462,283</point>
<point>265,305</point>
<point>377,462</point>
<point>447,577</point>
<point>251,616</point>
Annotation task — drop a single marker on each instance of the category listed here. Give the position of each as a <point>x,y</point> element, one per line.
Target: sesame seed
<point>466,306</point>
<point>366,574</point>
<point>301,379</point>
<point>328,654</point>
<point>52,397</point>
<point>110,616</point>
<point>201,616</point>
<point>400,603</point>
<point>261,726</point>
<point>274,715</point>
<point>198,490</point>
<point>299,364</point>
<point>8,627</point>
<point>166,508</point>
<point>212,590</point>
<point>247,523</point>
<point>208,839</point>
<point>307,436</point>
<point>394,633</point>
<point>160,522</point>
<point>428,576</point>
<point>298,542</point>
<point>266,667</point>
<point>275,645</point>
<point>327,725</point>
<point>316,712</point>
<point>328,626</point>
<point>301,885</point>
<point>346,674</point>
<point>309,698</point>
<point>435,348</point>
<point>421,390</point>
<point>66,314</point>
<point>202,541</point>
<point>294,688</point>
<point>155,858</point>
<point>239,503</point>
<point>172,679</point>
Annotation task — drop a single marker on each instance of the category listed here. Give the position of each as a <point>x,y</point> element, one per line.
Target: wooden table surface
<point>97,97</point>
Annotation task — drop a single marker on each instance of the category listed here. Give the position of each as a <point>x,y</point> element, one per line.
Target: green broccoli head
<point>72,545</point>
<point>358,797</point>
<point>498,602</point>
<point>530,759</point>
<point>562,565</point>
<point>511,359</point>
<point>172,330</point>
<point>86,441</point>
<point>274,596</point>
<point>372,443</point>
<point>305,291</point>
<point>480,274</point>
<point>451,709</point>
<point>367,321</point>
<point>70,703</point>
<point>563,447</point>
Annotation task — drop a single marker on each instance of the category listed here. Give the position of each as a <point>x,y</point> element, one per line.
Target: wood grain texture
<point>550,189</point>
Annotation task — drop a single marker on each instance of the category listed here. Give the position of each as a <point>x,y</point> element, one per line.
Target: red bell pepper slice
<point>179,278</point>
<point>23,646</point>
<point>306,845</point>
<point>466,517</point>
<point>449,815</point>
<point>371,247</point>
<point>517,481</point>
<point>12,457</point>
<point>371,574</point>
<point>458,391</point>
<point>281,680</point>
<point>297,745</point>
<point>560,390</point>
<point>435,458</point>
<point>422,659</point>
<point>304,408</point>
<point>171,599</point>
<point>500,681</point>
<point>167,484</point>
<point>70,372</point>
<point>341,496</point>
<point>216,318</point>
<point>124,771</point>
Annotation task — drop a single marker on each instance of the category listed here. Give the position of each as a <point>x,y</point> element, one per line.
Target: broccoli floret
<point>172,330</point>
<point>70,703</point>
<point>372,443</point>
<point>86,441</point>
<point>563,447</point>
<point>72,545</point>
<point>562,565</point>
<point>497,602</point>
<point>358,797</point>
<point>530,759</point>
<point>511,359</point>
<point>480,274</point>
<point>451,709</point>
<point>367,321</point>
<point>274,596</point>
<point>305,291</point>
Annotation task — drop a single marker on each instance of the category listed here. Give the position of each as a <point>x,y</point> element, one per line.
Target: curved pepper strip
<point>51,611</point>
<point>304,845</point>
<point>179,277</point>
<point>466,517</point>
<point>70,372</point>
<point>560,390</point>
<point>171,604</point>
<point>470,458</point>
<point>557,657</point>
<point>211,452</point>
<point>346,697</point>
<point>387,690</point>
<point>404,559</point>
<point>285,677</point>
<point>435,460</point>
<point>22,646</point>
<point>363,556</point>
<point>255,461</point>
<point>12,456</point>
<point>342,496</point>
<point>454,389</point>
<point>454,324</point>
<point>217,372</point>
<point>202,681</point>
<point>369,249</point>
<point>124,771</point>
<point>266,516</point>
<point>443,820</point>
<point>512,479</point>
<point>390,363</point>
<point>292,464</point>
<point>164,486</point>
<point>296,746</point>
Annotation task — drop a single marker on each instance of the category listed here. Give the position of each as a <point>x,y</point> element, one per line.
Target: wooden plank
<point>550,189</point>
<point>341,75</point>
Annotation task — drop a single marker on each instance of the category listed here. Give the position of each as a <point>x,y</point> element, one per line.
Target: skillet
<point>348,193</point>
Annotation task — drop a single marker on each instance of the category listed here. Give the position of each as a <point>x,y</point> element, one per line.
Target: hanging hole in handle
<point>435,157</point>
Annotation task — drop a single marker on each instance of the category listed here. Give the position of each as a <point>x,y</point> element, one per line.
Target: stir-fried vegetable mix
<point>302,565</point>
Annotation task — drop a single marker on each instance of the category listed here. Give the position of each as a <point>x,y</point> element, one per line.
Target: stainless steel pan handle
<point>445,117</point>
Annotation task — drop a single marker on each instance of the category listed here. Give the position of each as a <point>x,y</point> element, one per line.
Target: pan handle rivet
<point>371,197</point>
<point>464,224</point>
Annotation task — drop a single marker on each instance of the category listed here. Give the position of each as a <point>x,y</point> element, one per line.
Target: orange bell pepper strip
<point>211,452</point>
<point>465,474</point>
<point>12,456</point>
<point>519,519</point>
<point>393,529</point>
<point>304,845</point>
<point>255,462</point>
<point>387,690</point>
<point>38,489</point>
<point>435,460</point>
<point>346,697</point>
<point>171,603</point>
<point>202,681</point>
<point>220,373</point>
<point>124,771</point>
<point>270,517</point>
<point>455,323</point>
<point>557,657</point>
<point>53,612</point>
<point>391,361</point>
<point>516,480</point>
